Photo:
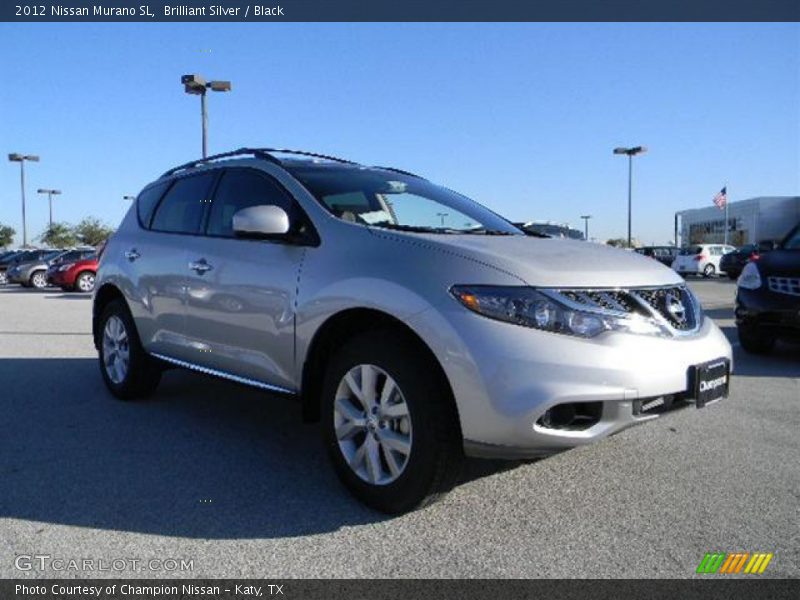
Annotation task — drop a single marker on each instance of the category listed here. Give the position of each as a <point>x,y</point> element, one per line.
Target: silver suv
<point>415,324</point>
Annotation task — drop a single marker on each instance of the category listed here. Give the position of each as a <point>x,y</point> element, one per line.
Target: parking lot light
<point>50,194</point>
<point>586,226</point>
<point>131,198</point>
<point>196,85</point>
<point>630,152</point>
<point>21,158</point>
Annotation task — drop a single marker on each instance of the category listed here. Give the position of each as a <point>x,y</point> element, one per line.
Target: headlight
<point>534,308</point>
<point>750,279</point>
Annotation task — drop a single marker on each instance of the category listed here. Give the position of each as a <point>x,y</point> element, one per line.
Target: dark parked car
<point>733,262</point>
<point>768,297</point>
<point>663,254</point>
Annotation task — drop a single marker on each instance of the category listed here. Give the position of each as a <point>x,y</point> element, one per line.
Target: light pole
<point>50,194</point>
<point>630,152</point>
<point>442,216</point>
<point>586,226</point>
<point>196,85</point>
<point>131,198</point>
<point>21,158</point>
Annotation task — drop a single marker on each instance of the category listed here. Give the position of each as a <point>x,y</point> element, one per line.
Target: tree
<point>91,231</point>
<point>6,235</point>
<point>60,235</point>
<point>617,242</point>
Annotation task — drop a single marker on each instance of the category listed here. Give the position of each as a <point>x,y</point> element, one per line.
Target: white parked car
<point>702,259</point>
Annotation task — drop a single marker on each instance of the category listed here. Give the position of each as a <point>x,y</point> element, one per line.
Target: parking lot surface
<point>230,479</point>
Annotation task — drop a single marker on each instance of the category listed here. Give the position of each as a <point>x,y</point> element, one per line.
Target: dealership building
<point>749,221</point>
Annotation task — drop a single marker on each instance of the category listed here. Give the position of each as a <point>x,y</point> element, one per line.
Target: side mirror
<point>262,221</point>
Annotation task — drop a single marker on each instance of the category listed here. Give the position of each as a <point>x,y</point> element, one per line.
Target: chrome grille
<point>784,285</point>
<point>673,306</point>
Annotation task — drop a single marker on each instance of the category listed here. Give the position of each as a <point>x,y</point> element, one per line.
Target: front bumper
<point>768,312</point>
<point>505,378</point>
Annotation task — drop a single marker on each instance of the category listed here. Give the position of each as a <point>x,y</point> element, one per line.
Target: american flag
<point>721,199</point>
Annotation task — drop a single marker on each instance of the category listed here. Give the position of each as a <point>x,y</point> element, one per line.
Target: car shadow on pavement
<point>203,459</point>
<point>69,296</point>
<point>783,361</point>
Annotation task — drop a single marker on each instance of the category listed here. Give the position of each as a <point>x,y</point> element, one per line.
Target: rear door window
<point>182,209</point>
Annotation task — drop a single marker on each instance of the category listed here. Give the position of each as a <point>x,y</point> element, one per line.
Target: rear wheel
<point>709,270</point>
<point>38,280</point>
<point>85,282</point>
<point>389,423</point>
<point>127,370</point>
<point>755,341</point>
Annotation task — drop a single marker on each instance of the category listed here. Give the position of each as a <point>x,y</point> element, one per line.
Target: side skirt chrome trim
<point>224,375</point>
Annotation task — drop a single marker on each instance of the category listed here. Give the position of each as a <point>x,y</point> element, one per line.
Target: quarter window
<point>147,200</point>
<point>242,188</point>
<point>181,210</point>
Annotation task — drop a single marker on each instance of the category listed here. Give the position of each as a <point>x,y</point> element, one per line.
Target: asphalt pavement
<point>230,481</point>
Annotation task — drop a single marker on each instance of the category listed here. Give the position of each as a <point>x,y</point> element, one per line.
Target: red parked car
<point>74,276</point>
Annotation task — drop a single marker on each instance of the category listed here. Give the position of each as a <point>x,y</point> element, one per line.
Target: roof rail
<point>401,171</point>
<point>241,151</point>
<point>262,153</point>
<point>269,151</point>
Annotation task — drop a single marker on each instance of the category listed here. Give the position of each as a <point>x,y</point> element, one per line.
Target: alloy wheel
<point>86,282</point>
<point>373,425</point>
<point>39,280</point>
<point>116,350</point>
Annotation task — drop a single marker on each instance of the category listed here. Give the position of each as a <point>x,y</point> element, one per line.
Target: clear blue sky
<point>522,117</point>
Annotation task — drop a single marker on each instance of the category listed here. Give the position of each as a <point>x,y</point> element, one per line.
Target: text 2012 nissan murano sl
<point>415,324</point>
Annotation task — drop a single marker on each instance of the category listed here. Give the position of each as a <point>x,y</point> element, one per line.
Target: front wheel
<point>127,370</point>
<point>389,423</point>
<point>85,282</point>
<point>38,280</point>
<point>709,270</point>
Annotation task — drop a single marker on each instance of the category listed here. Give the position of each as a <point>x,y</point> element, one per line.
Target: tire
<point>140,377</point>
<point>38,280</point>
<point>420,415</point>
<point>85,282</point>
<point>755,341</point>
<point>709,270</point>
<point>732,276</point>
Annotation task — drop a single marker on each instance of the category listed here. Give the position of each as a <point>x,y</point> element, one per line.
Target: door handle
<point>200,266</point>
<point>132,254</point>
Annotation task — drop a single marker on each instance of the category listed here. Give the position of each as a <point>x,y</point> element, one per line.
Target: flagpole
<point>726,215</point>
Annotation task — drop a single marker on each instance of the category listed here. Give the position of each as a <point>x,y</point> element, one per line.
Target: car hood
<point>558,262</point>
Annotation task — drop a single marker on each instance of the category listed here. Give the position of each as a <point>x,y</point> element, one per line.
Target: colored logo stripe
<point>758,563</point>
<point>732,563</point>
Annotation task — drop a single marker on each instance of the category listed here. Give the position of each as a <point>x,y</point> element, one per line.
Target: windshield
<point>792,241</point>
<point>51,255</point>
<point>381,198</point>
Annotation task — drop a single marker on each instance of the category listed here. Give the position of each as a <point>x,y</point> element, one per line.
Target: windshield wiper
<point>412,228</point>
<point>484,231</point>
